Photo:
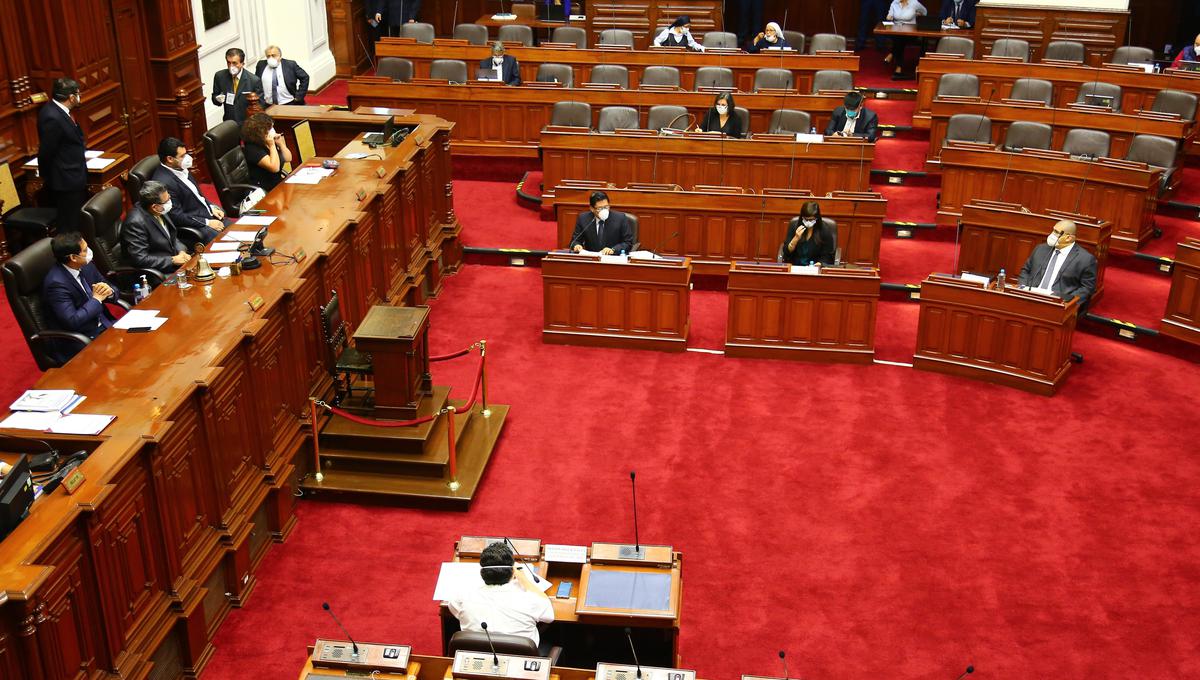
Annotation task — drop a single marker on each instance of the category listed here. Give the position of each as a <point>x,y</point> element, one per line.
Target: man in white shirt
<point>190,208</point>
<point>283,81</point>
<point>1058,266</point>
<point>508,602</point>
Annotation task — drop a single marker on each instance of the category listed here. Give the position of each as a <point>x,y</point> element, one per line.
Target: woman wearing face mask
<point>265,151</point>
<point>722,118</point>
<point>808,241</point>
<point>772,36</point>
<point>678,34</point>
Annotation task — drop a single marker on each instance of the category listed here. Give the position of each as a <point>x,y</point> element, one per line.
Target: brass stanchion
<point>316,435</point>
<point>486,412</point>
<point>453,483</point>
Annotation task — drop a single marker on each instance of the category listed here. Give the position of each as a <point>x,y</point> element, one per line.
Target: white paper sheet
<point>31,163</point>
<point>31,420</point>
<point>81,423</point>
<point>227,257</point>
<point>811,270</point>
<point>257,220</point>
<point>574,554</point>
<point>221,246</point>
<point>244,236</point>
<point>810,138</point>
<point>43,400</point>
<point>90,154</point>
<point>456,578</point>
<point>140,318</point>
<point>98,163</point>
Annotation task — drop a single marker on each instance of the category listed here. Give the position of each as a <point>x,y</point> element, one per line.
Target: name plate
<point>482,665</point>
<point>612,671</point>
<point>371,656</point>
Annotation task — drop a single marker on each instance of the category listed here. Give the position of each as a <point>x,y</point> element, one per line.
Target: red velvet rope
<point>474,390</point>
<point>452,355</point>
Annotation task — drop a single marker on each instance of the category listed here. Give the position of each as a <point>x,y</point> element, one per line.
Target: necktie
<point>274,86</point>
<point>599,228</point>
<point>236,79</point>
<point>1046,280</point>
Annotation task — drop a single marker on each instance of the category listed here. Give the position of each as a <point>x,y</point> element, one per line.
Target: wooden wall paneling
<point>67,627</point>
<point>1101,32</point>
<point>349,35</point>
<point>17,133</point>
<point>175,68</point>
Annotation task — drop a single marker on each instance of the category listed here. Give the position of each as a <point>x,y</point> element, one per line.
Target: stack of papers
<point>222,257</point>
<point>257,220</point>
<point>46,400</point>
<point>309,175</point>
<point>50,411</point>
<point>99,163</point>
<point>222,246</point>
<point>140,318</point>
<point>243,236</point>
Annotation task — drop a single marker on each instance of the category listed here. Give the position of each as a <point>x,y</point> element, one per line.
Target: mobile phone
<point>564,590</point>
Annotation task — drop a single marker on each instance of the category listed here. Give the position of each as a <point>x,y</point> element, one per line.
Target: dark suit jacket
<point>70,307</point>
<point>247,82</point>
<point>823,252</point>
<point>294,77</point>
<point>510,71</point>
<point>617,232</point>
<point>967,13</point>
<point>145,243</point>
<point>395,12</point>
<point>1076,277</point>
<point>60,150</point>
<point>867,124</point>
<point>187,210</point>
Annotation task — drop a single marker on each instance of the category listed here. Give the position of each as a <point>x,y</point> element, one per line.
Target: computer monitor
<point>484,73</point>
<point>377,138</point>
<point>16,495</point>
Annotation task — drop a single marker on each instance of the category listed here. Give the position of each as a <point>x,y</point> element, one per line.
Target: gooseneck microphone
<point>353,644</point>
<point>655,251</point>
<point>629,636</point>
<point>636,553</point>
<point>495,656</point>
<point>522,560</point>
<point>783,658</point>
<point>984,117</point>
<point>970,670</point>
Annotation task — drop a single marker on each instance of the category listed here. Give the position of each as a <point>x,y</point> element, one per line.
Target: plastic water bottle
<point>812,130</point>
<point>1000,280</point>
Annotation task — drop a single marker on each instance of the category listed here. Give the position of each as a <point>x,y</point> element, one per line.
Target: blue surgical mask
<point>852,114</point>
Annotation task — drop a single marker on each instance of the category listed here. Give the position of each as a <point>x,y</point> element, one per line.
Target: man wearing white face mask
<point>283,81</point>
<point>500,66</point>
<point>74,292</point>
<point>148,234</point>
<point>602,229</point>
<point>232,84</point>
<point>190,208</point>
<point>1059,266</point>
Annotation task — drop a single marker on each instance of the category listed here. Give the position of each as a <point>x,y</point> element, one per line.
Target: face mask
<point>1052,240</point>
<point>272,62</point>
<point>497,60</point>
<point>87,256</point>
<point>271,133</point>
<point>808,223</point>
<point>234,71</point>
<point>721,108</point>
<point>771,38</point>
<point>78,100</point>
<point>603,214</point>
<point>852,114</point>
<point>186,163</point>
<point>166,207</point>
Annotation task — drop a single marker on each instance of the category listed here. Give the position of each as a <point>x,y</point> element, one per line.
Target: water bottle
<point>137,293</point>
<point>1000,281</point>
<point>812,130</point>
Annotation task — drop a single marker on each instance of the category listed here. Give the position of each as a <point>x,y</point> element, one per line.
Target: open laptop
<point>486,74</point>
<point>378,138</point>
<point>1104,100</point>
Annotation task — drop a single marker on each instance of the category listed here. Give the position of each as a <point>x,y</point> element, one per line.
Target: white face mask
<point>603,215</point>
<point>771,37</point>
<point>271,134</point>
<point>808,223</point>
<point>722,109</point>
<point>87,256</point>
<point>1052,240</point>
<point>234,71</point>
<point>166,207</point>
<point>273,62</point>
<point>186,163</point>
<point>497,60</point>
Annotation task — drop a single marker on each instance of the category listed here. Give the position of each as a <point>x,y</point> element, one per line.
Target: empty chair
<point>661,75</point>
<point>1024,134</point>
<point>613,74</point>
<point>395,68</point>
<point>576,114</point>
<point>743,115</point>
<point>516,33</point>
<point>472,33</point>
<point>22,225</point>
<point>616,36</point>
<point>832,80</point>
<point>1157,152</point>
<point>1065,50</point>
<point>570,34</point>
<point>227,165</point>
<point>1081,142</point>
<point>953,44</point>
<point>789,121</point>
<point>526,10</point>
<point>827,42</point>
<point>1178,102</point>
<point>422,33</point>
<point>1099,93</point>
<point>719,39</point>
<point>140,173</point>
<point>556,73</point>
<point>1130,54</point>
<point>617,117</point>
<point>958,85</point>
<point>453,70</point>
<point>773,79</point>
<point>714,76</point>
<point>795,39</point>
<point>1011,47</point>
<point>1033,90</point>
<point>667,116</point>
<point>969,127</point>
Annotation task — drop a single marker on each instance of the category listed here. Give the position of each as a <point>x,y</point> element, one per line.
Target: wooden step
<point>433,461</point>
<point>341,433</point>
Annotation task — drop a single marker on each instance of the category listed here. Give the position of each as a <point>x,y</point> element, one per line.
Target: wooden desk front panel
<point>1181,319</point>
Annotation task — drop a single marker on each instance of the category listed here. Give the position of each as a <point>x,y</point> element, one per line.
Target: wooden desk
<point>429,668</point>
<point>743,65</point>
<point>1181,320</point>
<point>1119,192</point>
<point>753,164</point>
<point>1012,337</point>
<point>634,305</point>
<point>715,228</point>
<point>111,175</point>
<point>1101,31</point>
<point>912,31</point>
<point>532,22</point>
<point>999,236</point>
<point>195,478</point>
<point>775,314</point>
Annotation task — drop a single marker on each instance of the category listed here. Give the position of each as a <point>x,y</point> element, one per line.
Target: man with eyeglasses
<point>150,238</point>
<point>1060,267</point>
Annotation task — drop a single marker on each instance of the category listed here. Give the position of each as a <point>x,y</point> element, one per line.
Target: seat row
<point>1177,102</point>
<point>1058,50</point>
<point>666,116</point>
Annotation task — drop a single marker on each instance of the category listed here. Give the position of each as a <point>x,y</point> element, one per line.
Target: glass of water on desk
<point>181,279</point>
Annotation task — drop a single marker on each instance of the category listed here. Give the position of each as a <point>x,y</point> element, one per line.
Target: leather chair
<point>1024,134</point>
<point>830,228</point>
<point>795,40</point>
<point>1100,90</point>
<point>953,44</point>
<point>556,73</point>
<point>958,85</point>
<point>422,33</point>
<point>1157,152</point>
<point>832,80</point>
<point>773,79</point>
<point>1033,90</point>
<point>472,33</point>
<point>345,361</point>
<point>616,37</point>
<point>1178,102</point>
<point>1065,50</point>
<point>743,115</point>
<point>720,39</point>
<point>570,34</point>
<point>395,68</point>
<point>1131,54</point>
<point>613,74</point>
<point>452,70</point>
<point>667,115</point>
<point>503,643</point>
<point>969,127</point>
<point>789,121</point>
<point>516,33</point>
<point>714,76</point>
<point>139,174</point>
<point>618,117</point>
<point>227,165</point>
<point>1011,47</point>
<point>526,10</point>
<point>661,75</point>
<point>827,42</point>
<point>100,225</point>
<point>575,114</point>
<point>23,277</point>
<point>1081,142</point>
<point>22,226</point>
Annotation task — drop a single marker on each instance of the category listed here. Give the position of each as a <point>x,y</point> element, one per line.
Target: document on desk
<point>226,257</point>
<point>81,423</point>
<point>309,175</point>
<point>244,236</point>
<point>455,579</point>
<point>257,220</point>
<point>90,154</point>
<point>140,318</point>
<point>574,554</point>
<point>43,400</point>
<point>222,246</point>
<point>31,420</point>
<point>99,163</point>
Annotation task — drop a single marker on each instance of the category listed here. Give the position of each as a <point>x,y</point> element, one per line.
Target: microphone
<point>983,117</point>
<point>661,244</point>
<point>783,658</point>
<point>495,657</point>
<point>629,636</point>
<point>970,670</point>
<point>636,552</point>
<point>833,17</point>
<point>1083,185</point>
<point>353,644</point>
<point>522,559</point>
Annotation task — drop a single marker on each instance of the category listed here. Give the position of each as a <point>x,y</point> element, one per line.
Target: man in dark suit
<point>74,291</point>
<point>284,81</point>
<point>150,238</point>
<point>870,13</point>
<point>853,119</point>
<point>389,15</point>
<point>1061,266</point>
<point>959,13</point>
<point>509,69</point>
<point>231,86</point>
<point>61,161</point>
<point>189,207</point>
<point>601,229</point>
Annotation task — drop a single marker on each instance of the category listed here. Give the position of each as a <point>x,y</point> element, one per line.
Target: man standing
<point>74,292</point>
<point>61,161</point>
<point>1058,266</point>
<point>283,81</point>
<point>231,86</point>
<point>501,66</point>
<point>149,236</point>
<point>390,15</point>
<point>853,119</point>
<point>871,12</point>
<point>190,208</point>
<point>601,229</point>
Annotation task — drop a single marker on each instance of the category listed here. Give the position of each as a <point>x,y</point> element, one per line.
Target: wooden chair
<point>345,362</point>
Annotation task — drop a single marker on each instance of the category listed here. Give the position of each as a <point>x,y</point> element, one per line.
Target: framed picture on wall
<point>216,12</point>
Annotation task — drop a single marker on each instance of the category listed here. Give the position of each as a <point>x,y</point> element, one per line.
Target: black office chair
<point>503,643</point>
<point>22,226</point>
<point>139,174</point>
<point>345,361</point>
<point>23,277</point>
<point>100,225</point>
<point>227,166</point>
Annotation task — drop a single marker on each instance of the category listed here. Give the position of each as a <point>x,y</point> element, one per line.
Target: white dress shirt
<point>848,128</point>
<point>269,74</point>
<point>75,275</point>
<point>183,177</point>
<point>64,108</point>
<point>506,609</point>
<point>906,14</point>
<point>1058,263</point>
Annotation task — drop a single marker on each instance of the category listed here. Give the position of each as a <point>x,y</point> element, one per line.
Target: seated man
<point>601,229</point>
<point>74,291</point>
<point>506,604</point>
<point>1188,57</point>
<point>853,119</point>
<point>1060,267</point>
<point>500,66</point>
<point>149,236</point>
<point>189,207</point>
<point>960,13</point>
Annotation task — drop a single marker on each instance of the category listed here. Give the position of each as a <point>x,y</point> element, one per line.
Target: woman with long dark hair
<point>722,117</point>
<point>808,241</point>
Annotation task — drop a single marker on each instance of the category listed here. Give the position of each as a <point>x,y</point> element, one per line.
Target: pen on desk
<point>140,329</point>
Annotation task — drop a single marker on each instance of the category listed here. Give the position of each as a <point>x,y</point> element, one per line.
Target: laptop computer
<point>929,23</point>
<point>486,74</point>
<point>1104,100</point>
<point>377,138</point>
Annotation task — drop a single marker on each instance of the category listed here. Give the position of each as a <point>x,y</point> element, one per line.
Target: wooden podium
<point>776,314</point>
<point>1181,320</point>
<point>397,338</point>
<point>1012,337</point>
